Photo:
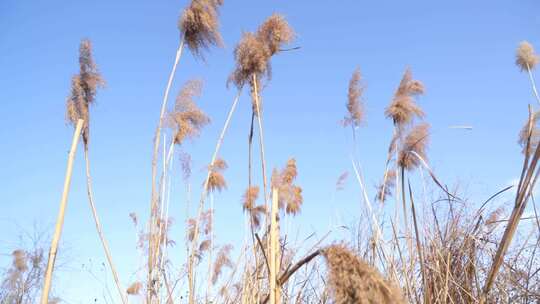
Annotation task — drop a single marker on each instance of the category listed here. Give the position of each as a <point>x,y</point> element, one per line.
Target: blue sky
<point>463,51</point>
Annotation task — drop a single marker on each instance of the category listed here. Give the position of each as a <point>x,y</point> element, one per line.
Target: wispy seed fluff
<point>289,195</point>
<point>83,88</point>
<point>216,180</point>
<point>355,107</point>
<point>384,190</point>
<point>416,140</point>
<point>275,32</point>
<point>526,58</point>
<point>223,260</point>
<point>249,200</point>
<point>187,118</point>
<point>20,260</point>
<point>403,108</point>
<point>351,280</point>
<point>200,26</point>
<point>530,133</point>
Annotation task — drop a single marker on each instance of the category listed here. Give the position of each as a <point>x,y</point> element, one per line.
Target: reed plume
<point>351,280</point>
<point>403,108</point>
<point>355,107</point>
<point>134,289</point>
<point>529,136</point>
<point>216,180</point>
<point>187,118</point>
<point>274,32</point>
<point>223,260</point>
<point>289,195</point>
<point>385,188</point>
<point>416,140</point>
<point>20,260</point>
<point>526,58</point>
<point>200,25</point>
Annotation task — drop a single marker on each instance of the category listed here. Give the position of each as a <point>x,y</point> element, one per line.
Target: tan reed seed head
<point>187,119</point>
<point>526,58</point>
<point>403,108</point>
<point>384,190</point>
<point>274,32</point>
<point>416,140</point>
<point>289,195</point>
<point>355,107</point>
<point>223,260</point>
<point>216,181</point>
<point>250,197</point>
<point>20,261</point>
<point>200,25</point>
<point>530,133</point>
<point>134,289</point>
<point>352,281</point>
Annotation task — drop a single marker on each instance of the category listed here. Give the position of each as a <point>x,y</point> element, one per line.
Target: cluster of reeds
<point>417,250</point>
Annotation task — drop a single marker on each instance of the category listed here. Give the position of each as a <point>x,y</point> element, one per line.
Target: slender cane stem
<point>61,213</point>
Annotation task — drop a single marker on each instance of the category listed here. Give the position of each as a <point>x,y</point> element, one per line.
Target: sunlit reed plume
<point>83,88</point>
<point>355,107</point>
<point>20,260</point>
<point>223,260</point>
<point>416,140</point>
<point>274,32</point>
<point>351,280</point>
<point>526,58</point>
<point>200,26</point>
<point>187,118</point>
<point>290,195</point>
<point>216,180</point>
<point>403,108</point>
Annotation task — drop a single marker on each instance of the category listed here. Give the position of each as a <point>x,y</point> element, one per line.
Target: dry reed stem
<point>60,219</point>
<point>274,237</point>
<point>261,141</point>
<point>204,194</point>
<point>99,228</point>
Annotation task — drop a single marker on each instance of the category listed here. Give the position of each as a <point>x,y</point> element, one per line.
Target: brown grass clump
<point>355,108</point>
<point>290,195</point>
<point>20,260</point>
<point>200,26</point>
<point>416,141</point>
<point>187,118</point>
<point>526,59</point>
<point>134,289</point>
<point>222,260</point>
<point>403,108</point>
<point>351,280</point>
<point>216,181</point>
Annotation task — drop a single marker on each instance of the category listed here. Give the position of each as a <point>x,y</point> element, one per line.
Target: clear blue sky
<point>463,51</point>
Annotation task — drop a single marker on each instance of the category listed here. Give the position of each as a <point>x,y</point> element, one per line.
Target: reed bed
<point>411,248</point>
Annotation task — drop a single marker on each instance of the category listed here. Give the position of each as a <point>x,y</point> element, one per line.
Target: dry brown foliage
<point>134,288</point>
<point>200,26</point>
<point>526,58</point>
<point>351,280</point>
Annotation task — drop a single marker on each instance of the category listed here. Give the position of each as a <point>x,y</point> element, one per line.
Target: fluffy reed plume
<point>403,108</point>
<point>20,260</point>
<point>355,107</point>
<point>417,141</point>
<point>83,88</point>
<point>529,136</point>
<point>526,58</point>
<point>253,52</point>
<point>274,32</point>
<point>250,197</point>
<point>186,118</point>
<point>134,289</point>
<point>223,260</point>
<point>290,195</point>
<point>384,190</point>
<point>200,26</point>
<point>351,280</point>
<point>216,181</point>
